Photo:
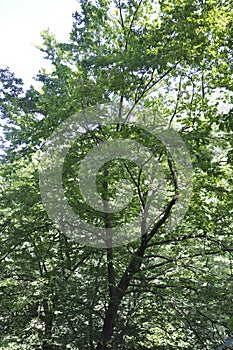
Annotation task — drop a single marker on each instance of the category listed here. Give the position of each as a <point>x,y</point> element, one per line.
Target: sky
<point>21,22</point>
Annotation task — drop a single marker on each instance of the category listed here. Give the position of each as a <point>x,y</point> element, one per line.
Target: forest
<point>117,184</point>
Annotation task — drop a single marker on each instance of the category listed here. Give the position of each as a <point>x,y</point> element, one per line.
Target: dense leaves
<point>167,289</point>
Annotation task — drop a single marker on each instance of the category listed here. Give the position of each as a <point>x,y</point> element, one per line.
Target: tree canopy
<point>169,287</point>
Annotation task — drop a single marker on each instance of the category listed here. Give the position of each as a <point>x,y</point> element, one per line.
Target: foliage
<point>166,290</point>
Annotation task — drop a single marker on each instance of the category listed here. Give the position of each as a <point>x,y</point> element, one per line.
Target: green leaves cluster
<point>166,290</point>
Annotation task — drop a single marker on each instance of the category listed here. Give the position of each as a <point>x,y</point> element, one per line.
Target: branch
<point>177,103</point>
<point>163,219</point>
<point>227,343</point>
<point>76,266</point>
<point>153,82</point>
<point>133,18</point>
<point>176,239</point>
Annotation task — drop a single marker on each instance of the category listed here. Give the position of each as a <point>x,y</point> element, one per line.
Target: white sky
<point>21,22</point>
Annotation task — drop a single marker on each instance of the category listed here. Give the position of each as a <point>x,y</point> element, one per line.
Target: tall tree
<point>167,289</point>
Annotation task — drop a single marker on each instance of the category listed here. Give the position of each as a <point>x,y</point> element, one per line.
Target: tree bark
<point>48,320</point>
<point>134,266</point>
<point>117,296</point>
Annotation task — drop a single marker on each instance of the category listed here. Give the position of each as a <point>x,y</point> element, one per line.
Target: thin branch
<point>133,18</point>
<point>176,239</point>
<point>174,175</point>
<point>163,219</point>
<point>152,83</point>
<point>177,102</point>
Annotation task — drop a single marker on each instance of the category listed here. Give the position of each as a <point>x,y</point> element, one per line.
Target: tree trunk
<point>117,293</point>
<point>48,320</point>
<point>116,298</point>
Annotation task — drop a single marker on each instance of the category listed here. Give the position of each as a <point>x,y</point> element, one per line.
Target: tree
<point>167,289</point>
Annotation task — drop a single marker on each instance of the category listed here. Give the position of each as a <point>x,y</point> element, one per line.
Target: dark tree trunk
<point>117,293</point>
<point>116,298</point>
<point>48,321</point>
<point>46,346</point>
